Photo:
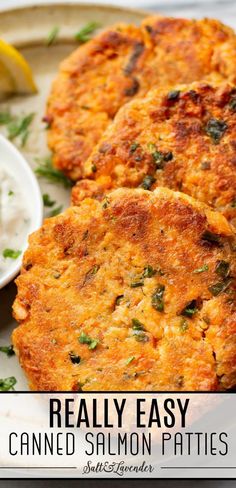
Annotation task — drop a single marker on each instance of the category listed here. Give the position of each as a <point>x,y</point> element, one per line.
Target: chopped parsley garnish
<point>5,118</point>
<point>55,211</point>
<point>232,104</point>
<point>148,271</point>
<point>129,360</point>
<point>91,273</point>
<point>106,203</point>
<point>160,158</point>
<point>7,384</point>
<point>173,95</point>
<point>8,350</point>
<point>215,129</point>
<point>94,269</point>
<point>10,193</point>
<point>84,34</point>
<point>205,267</point>
<point>19,127</point>
<point>85,339</point>
<point>219,287</point>
<point>210,238</point>
<point>147,182</point>
<point>136,284</point>
<point>133,147</point>
<point>137,325</point>
<point>183,325</point>
<point>47,200</point>
<point>190,309</point>
<point>140,336</point>
<point>157,298</point>
<point>222,268</point>
<point>119,299</point>
<point>75,359</point>
<point>11,253</point>
<point>46,170</point>
<point>52,36</point>
<point>16,125</point>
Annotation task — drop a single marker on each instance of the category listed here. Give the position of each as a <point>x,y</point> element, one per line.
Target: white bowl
<point>24,176</point>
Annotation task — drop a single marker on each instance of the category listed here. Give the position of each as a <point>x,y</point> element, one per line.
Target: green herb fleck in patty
<point>147,182</point>
<point>219,287</point>
<point>190,309</point>
<point>140,336</point>
<point>203,268</point>
<point>173,95</point>
<point>137,325</point>
<point>157,298</point>
<point>85,339</point>
<point>129,360</point>
<point>148,271</point>
<point>119,299</point>
<point>133,147</point>
<point>183,325</point>
<point>222,268</point>
<point>215,129</point>
<point>232,104</point>
<point>160,158</point>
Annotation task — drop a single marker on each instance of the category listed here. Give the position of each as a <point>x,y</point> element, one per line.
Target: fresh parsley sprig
<point>84,34</point>
<point>52,175</point>
<point>17,126</point>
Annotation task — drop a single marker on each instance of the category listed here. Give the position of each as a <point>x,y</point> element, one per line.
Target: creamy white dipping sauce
<point>14,219</point>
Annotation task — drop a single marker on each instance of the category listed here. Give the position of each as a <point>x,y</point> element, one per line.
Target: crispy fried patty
<point>184,139</point>
<point>136,292</point>
<point>122,63</point>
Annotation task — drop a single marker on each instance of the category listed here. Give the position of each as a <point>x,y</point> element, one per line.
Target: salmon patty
<point>122,63</point>
<point>184,139</point>
<point>136,292</point>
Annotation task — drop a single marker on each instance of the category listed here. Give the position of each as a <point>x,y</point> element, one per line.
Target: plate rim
<point>104,6</point>
<point>40,7</point>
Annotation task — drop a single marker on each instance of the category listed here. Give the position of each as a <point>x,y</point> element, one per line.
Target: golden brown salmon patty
<point>184,139</point>
<point>122,63</point>
<point>133,293</point>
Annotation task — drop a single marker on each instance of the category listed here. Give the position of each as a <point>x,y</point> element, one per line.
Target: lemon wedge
<point>15,73</point>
